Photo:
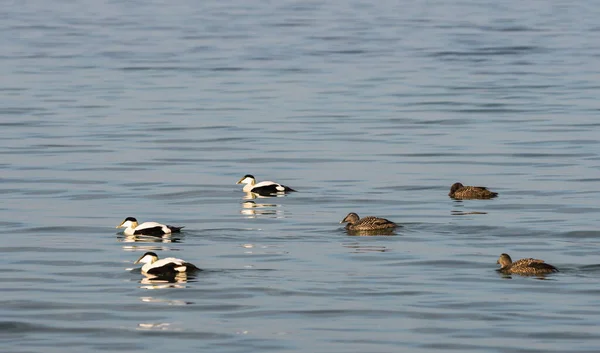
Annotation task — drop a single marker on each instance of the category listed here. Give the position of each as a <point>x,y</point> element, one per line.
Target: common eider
<point>367,223</point>
<point>460,192</point>
<point>262,188</point>
<point>524,267</point>
<point>166,266</point>
<point>147,228</point>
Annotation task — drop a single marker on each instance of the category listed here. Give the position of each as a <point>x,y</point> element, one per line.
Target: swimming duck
<point>460,192</point>
<point>367,223</point>
<point>525,267</point>
<point>262,188</point>
<point>166,266</point>
<point>147,228</point>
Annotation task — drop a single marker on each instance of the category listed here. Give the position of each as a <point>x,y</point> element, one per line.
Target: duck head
<point>128,222</point>
<point>504,260</point>
<point>455,187</point>
<point>147,258</point>
<point>247,179</point>
<point>350,218</point>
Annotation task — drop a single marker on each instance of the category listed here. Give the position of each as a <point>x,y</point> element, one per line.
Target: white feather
<point>152,225</point>
<point>131,231</point>
<point>163,262</point>
<point>266,183</point>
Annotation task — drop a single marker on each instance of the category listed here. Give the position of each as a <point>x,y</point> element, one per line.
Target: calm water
<point>155,109</point>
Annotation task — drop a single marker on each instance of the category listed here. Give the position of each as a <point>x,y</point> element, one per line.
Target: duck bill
<point>138,260</point>
<point>240,181</point>
<point>120,225</point>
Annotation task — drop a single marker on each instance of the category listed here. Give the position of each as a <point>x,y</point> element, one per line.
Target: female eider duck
<point>460,192</point>
<point>524,267</point>
<point>147,228</point>
<point>262,188</point>
<point>367,223</point>
<point>168,265</point>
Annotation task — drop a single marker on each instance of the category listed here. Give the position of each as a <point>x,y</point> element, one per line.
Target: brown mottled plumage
<point>460,192</point>
<point>367,223</point>
<point>524,267</point>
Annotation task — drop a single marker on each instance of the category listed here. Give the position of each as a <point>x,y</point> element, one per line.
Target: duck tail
<point>174,229</point>
<point>191,267</point>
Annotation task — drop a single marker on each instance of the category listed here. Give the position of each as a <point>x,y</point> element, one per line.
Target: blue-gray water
<point>154,109</point>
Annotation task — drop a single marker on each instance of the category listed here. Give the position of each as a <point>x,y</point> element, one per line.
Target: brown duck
<point>524,267</point>
<point>367,223</point>
<point>460,192</point>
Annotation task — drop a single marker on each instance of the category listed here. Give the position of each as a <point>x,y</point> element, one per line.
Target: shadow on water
<point>254,195</point>
<point>373,232</point>
<point>465,213</point>
<point>362,248</point>
<point>458,206</point>
<point>588,269</point>
<point>545,277</point>
<point>147,238</point>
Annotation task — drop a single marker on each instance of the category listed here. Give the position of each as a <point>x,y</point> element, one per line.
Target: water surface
<point>154,110</point>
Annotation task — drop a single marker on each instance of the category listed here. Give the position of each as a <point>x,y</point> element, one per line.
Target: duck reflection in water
<point>358,248</point>
<point>167,238</point>
<point>253,195</point>
<point>252,209</point>
<point>465,213</point>
<point>164,301</point>
<point>459,209</point>
<point>157,326</point>
<point>166,280</point>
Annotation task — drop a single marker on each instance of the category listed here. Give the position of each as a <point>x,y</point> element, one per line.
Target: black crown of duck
<point>263,188</point>
<point>367,223</point>
<point>460,192</point>
<point>524,267</point>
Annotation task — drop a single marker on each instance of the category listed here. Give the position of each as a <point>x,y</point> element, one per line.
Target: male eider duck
<point>367,223</point>
<point>166,266</point>
<point>262,188</point>
<point>147,228</point>
<point>460,192</point>
<point>524,267</point>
